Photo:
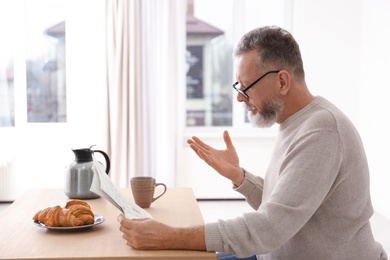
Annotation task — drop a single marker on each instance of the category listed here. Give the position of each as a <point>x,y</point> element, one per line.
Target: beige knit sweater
<point>314,202</point>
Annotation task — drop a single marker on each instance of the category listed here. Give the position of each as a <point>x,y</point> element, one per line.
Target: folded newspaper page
<point>103,186</point>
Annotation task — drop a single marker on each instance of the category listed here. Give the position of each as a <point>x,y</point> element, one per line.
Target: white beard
<point>270,113</point>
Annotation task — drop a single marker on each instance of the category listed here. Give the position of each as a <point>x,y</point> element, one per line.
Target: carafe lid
<point>83,155</point>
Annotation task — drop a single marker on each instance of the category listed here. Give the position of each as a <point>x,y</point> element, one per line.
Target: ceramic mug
<point>143,190</point>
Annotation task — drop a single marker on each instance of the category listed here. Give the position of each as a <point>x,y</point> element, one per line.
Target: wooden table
<point>20,238</point>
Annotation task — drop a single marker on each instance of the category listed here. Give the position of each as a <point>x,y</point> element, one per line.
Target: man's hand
<point>150,234</point>
<point>225,162</point>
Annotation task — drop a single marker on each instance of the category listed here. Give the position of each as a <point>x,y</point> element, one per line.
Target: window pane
<point>7,103</point>
<point>213,29</point>
<point>45,61</point>
<point>209,65</point>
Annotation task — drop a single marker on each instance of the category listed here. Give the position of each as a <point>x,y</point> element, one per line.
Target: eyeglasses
<point>243,92</point>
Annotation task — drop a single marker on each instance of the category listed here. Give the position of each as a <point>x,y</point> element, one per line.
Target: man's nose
<point>241,97</point>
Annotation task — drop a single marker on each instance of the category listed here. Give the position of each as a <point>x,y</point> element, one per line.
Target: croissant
<point>81,210</point>
<point>75,213</point>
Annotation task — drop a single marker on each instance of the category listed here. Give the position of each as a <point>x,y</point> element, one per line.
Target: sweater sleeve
<point>305,176</point>
<point>251,188</point>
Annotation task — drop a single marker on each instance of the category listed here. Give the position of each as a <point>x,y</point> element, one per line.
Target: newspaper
<point>103,186</point>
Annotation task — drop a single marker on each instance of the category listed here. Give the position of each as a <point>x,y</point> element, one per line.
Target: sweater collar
<point>300,112</point>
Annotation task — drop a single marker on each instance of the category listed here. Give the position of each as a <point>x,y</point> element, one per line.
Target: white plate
<point>98,220</point>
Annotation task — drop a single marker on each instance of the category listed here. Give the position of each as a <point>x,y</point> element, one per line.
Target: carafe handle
<point>106,158</point>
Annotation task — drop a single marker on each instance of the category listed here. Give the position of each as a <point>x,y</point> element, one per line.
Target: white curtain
<point>145,87</point>
<point>123,88</point>
<point>163,66</point>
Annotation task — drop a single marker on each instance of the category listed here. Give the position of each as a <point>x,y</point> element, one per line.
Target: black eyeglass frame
<point>243,91</point>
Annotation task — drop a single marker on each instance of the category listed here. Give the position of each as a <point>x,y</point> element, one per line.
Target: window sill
<point>216,132</point>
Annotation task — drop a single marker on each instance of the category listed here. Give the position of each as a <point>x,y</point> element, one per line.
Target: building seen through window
<point>45,61</point>
<point>209,73</point>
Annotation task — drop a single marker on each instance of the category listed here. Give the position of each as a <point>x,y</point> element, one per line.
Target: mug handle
<point>165,189</point>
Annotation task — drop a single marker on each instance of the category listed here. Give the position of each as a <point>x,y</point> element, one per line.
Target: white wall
<point>374,98</point>
<point>346,54</point>
<point>329,34</point>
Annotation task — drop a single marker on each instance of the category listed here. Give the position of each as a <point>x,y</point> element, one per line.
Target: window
<point>7,92</point>
<point>45,61</point>
<point>37,40</point>
<point>211,39</point>
<point>209,67</point>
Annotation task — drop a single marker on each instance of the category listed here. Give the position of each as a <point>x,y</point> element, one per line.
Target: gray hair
<point>276,48</point>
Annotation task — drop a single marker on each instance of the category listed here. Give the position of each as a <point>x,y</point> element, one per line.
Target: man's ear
<point>284,82</point>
